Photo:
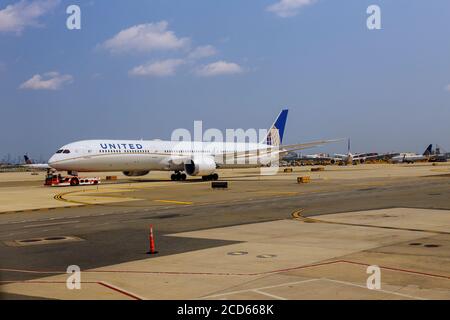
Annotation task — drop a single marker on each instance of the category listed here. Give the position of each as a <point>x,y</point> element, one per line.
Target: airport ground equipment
<point>53,179</point>
<point>286,170</point>
<point>219,185</point>
<point>211,177</point>
<point>317,169</point>
<point>305,179</point>
<point>151,242</point>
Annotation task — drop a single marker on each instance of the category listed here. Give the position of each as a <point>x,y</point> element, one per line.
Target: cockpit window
<point>59,151</point>
<point>66,151</point>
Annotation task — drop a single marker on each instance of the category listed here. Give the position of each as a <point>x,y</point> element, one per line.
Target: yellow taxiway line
<point>175,202</point>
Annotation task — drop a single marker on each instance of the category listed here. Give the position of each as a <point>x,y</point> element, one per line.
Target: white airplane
<point>31,165</point>
<point>193,158</point>
<point>317,156</point>
<point>351,158</point>
<point>412,157</point>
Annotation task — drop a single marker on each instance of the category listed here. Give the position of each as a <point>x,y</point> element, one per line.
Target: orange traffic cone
<point>152,242</point>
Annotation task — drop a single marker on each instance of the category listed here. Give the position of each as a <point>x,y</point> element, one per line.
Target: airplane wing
<point>367,157</point>
<point>273,150</point>
<point>339,155</point>
<point>36,166</point>
<point>279,150</point>
<point>301,146</point>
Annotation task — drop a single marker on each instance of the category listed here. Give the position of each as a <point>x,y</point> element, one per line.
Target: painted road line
<point>270,272</point>
<point>120,290</point>
<point>269,295</point>
<point>101,283</point>
<point>259,289</point>
<point>49,224</point>
<point>174,202</point>
<point>38,209</point>
<point>298,215</point>
<point>377,290</point>
<point>280,192</point>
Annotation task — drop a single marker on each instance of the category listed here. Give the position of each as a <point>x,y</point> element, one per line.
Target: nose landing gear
<point>178,176</point>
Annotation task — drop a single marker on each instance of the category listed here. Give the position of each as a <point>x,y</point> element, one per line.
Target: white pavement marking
<point>269,295</point>
<point>380,290</point>
<point>261,288</point>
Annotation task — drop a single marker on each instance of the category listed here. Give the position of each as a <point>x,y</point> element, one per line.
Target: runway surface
<point>112,223</point>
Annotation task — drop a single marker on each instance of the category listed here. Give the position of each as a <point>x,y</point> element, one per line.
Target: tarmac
<point>265,237</point>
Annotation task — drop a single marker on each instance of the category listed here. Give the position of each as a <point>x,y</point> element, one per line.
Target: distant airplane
<point>346,159</point>
<point>30,164</point>
<point>317,158</point>
<point>353,158</point>
<point>438,156</point>
<point>412,157</point>
<point>290,156</point>
<point>193,158</point>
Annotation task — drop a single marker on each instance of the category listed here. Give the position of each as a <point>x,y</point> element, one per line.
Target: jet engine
<point>135,173</point>
<point>200,166</point>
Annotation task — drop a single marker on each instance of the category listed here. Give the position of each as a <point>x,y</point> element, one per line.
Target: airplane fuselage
<point>408,158</point>
<point>139,155</point>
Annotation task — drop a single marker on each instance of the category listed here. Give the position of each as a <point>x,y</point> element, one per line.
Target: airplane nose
<point>52,161</point>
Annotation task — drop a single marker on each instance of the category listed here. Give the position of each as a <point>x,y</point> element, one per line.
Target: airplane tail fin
<point>27,160</point>
<point>427,152</point>
<point>276,132</point>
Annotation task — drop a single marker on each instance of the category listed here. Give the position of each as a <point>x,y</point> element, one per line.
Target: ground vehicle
<point>57,180</point>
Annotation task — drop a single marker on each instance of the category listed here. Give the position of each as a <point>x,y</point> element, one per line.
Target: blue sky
<point>140,69</point>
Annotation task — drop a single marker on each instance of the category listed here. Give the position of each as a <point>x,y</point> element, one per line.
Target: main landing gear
<point>178,176</point>
<point>211,177</point>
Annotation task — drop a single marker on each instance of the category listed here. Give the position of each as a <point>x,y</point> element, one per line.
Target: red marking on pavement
<point>401,270</point>
<point>111,287</point>
<point>129,294</point>
<point>234,274</point>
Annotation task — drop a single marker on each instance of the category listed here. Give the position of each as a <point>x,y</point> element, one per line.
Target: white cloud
<point>447,88</point>
<point>288,8</point>
<point>219,68</point>
<point>145,38</point>
<point>202,52</point>
<point>16,17</point>
<point>162,68</point>
<point>48,81</point>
